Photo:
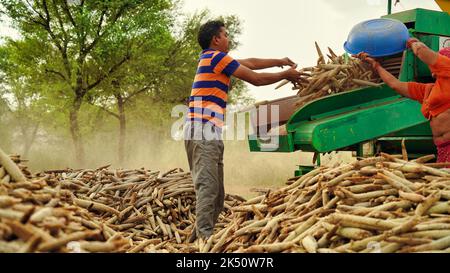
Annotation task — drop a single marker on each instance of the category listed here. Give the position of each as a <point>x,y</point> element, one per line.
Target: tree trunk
<point>29,140</point>
<point>27,126</point>
<point>75,131</point>
<point>122,128</point>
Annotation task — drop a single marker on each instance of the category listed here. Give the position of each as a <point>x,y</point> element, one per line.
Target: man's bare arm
<point>258,79</point>
<point>256,63</point>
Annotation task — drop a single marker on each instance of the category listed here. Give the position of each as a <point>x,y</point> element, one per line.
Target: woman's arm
<point>399,86</point>
<point>423,52</point>
<point>388,78</point>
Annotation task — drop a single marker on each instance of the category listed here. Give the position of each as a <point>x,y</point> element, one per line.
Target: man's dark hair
<point>208,31</point>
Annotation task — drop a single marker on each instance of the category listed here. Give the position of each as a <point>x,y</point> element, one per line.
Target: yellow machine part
<point>444,5</point>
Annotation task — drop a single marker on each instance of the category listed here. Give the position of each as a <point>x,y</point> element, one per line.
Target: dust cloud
<point>244,171</point>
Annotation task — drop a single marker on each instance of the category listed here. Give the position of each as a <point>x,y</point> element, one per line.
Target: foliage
<point>83,67</point>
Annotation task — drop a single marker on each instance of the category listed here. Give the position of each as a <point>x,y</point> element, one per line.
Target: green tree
<point>131,60</point>
<point>21,83</point>
<point>88,41</point>
<point>5,112</point>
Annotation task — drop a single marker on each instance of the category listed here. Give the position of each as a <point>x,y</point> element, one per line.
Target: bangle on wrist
<point>419,47</point>
<point>410,44</point>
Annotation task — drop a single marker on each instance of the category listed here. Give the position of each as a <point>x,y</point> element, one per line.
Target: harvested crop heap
<point>11,170</point>
<point>97,210</point>
<point>338,74</point>
<point>377,204</point>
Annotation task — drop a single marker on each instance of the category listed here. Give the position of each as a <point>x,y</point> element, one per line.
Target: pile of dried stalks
<point>97,210</point>
<point>336,75</point>
<point>379,204</point>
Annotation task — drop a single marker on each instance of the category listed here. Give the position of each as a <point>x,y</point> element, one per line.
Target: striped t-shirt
<point>209,94</point>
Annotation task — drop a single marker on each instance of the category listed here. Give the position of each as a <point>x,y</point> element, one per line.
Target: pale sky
<point>288,28</point>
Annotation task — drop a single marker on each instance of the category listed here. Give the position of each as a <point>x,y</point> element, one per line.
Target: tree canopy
<point>80,67</point>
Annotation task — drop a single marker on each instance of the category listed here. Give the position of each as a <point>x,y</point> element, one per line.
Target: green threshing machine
<point>374,117</point>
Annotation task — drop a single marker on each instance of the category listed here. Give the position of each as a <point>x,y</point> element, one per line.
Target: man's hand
<point>365,58</point>
<point>286,61</point>
<point>292,74</point>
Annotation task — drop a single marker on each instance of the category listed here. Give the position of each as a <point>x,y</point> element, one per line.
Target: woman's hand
<point>365,58</point>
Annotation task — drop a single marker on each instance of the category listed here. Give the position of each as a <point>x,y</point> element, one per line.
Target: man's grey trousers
<point>205,156</point>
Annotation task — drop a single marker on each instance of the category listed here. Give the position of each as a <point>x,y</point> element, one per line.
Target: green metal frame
<point>349,121</point>
<point>424,21</point>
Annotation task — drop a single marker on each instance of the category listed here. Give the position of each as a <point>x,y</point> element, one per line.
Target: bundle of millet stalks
<point>335,75</point>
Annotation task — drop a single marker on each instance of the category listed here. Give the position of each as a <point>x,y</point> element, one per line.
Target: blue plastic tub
<point>377,37</point>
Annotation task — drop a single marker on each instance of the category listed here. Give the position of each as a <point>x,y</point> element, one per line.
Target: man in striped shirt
<point>205,119</point>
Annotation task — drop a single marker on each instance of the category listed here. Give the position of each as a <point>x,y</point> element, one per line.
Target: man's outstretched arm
<point>258,79</point>
<point>256,63</point>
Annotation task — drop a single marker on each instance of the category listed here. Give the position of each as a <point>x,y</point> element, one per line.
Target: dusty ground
<point>244,170</point>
